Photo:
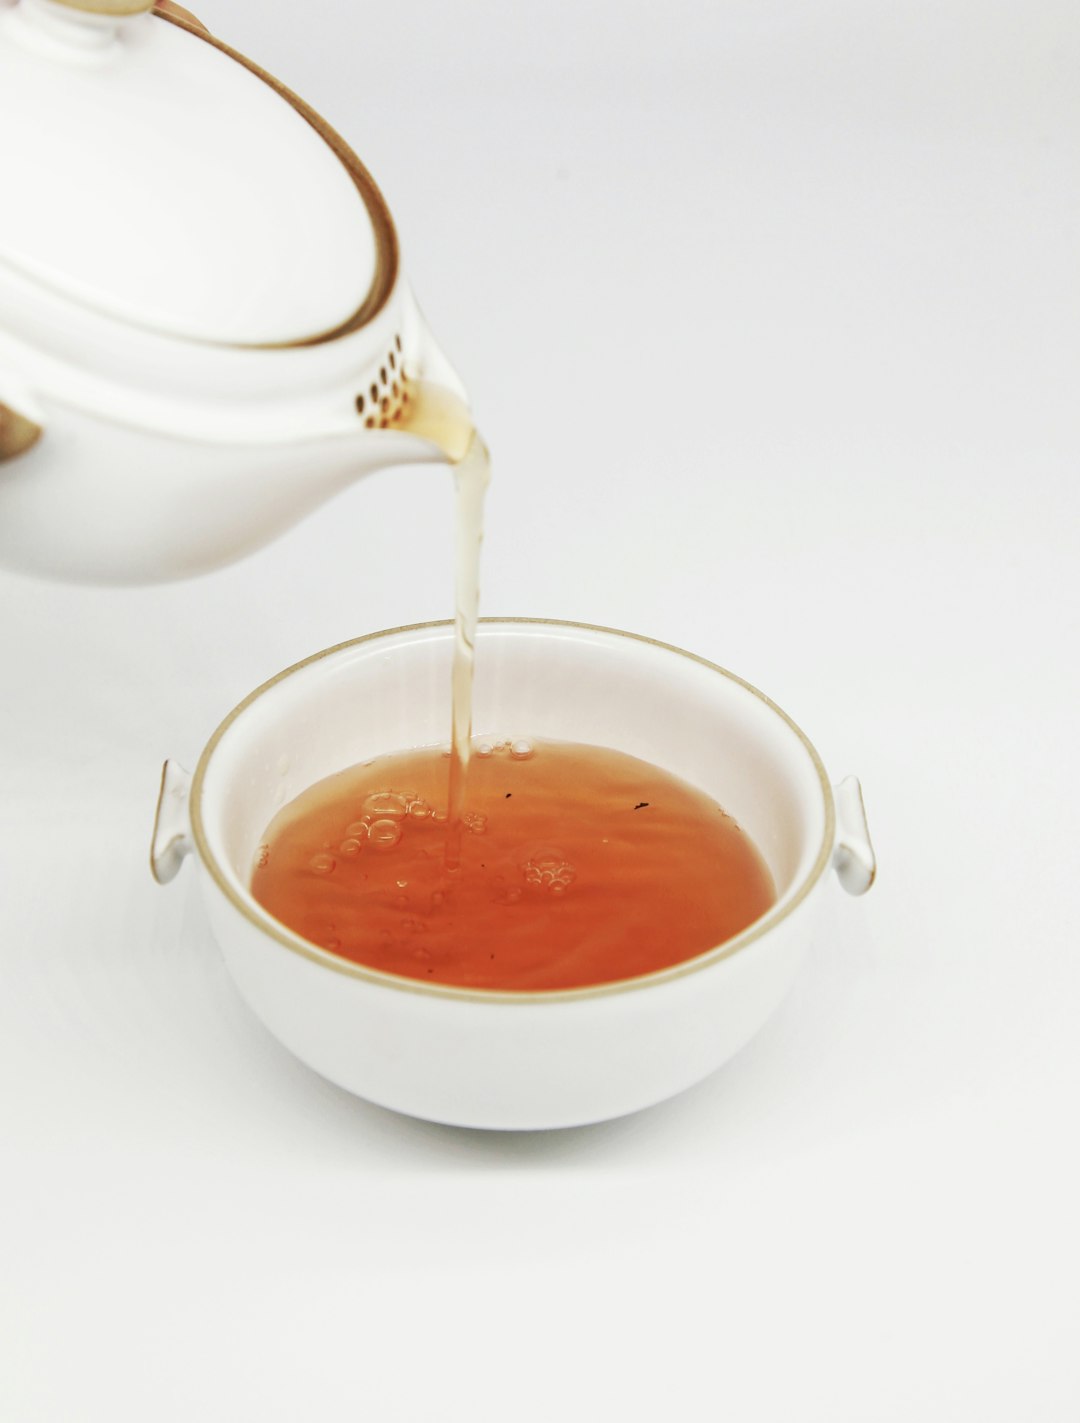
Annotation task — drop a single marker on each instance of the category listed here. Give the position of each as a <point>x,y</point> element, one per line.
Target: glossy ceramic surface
<point>511,1060</point>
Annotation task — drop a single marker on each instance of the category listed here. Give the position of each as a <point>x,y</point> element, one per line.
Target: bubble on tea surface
<point>384,834</point>
<point>350,847</point>
<point>386,805</point>
<point>323,864</point>
<point>475,822</point>
<point>262,858</point>
<point>550,873</point>
<point>522,750</point>
<point>484,749</point>
<point>419,809</point>
<point>439,817</point>
<point>358,829</point>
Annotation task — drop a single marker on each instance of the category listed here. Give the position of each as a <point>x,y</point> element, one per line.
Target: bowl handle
<point>171,840</point>
<point>853,858</point>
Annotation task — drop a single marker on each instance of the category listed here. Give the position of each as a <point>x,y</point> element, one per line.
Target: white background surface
<point>770,312</point>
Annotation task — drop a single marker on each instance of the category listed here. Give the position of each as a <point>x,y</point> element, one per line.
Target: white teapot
<point>204,329</point>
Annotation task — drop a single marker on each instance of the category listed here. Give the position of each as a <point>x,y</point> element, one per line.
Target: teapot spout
<point>433,405</point>
<point>101,483</point>
<point>247,499</point>
<point>281,485</point>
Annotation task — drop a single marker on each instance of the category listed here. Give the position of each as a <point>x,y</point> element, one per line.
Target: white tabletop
<point>770,314</point>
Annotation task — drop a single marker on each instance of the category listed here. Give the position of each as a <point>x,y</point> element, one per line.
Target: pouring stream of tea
<point>436,414</point>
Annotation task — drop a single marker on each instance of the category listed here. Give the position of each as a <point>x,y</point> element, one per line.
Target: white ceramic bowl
<point>504,1059</point>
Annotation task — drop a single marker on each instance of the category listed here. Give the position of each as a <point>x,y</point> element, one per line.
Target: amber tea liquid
<point>577,865</point>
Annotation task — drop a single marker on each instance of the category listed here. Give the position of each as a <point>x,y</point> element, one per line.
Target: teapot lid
<point>153,174</point>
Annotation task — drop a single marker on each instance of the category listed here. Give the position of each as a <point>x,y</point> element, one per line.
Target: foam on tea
<point>577,865</point>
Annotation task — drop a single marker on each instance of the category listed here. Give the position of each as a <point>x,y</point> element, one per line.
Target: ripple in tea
<point>578,865</point>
